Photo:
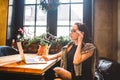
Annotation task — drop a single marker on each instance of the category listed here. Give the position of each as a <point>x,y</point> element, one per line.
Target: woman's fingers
<point>44,57</point>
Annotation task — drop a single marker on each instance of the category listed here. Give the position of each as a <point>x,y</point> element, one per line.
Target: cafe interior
<point>26,19</point>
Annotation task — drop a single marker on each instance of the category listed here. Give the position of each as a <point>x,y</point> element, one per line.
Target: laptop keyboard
<point>35,60</point>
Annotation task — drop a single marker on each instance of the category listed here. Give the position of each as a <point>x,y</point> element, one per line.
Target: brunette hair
<point>83,28</point>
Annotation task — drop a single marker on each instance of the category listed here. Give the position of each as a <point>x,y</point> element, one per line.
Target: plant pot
<point>33,48</point>
<point>43,50</point>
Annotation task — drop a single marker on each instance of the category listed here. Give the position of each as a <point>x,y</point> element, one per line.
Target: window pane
<point>64,1</point>
<point>76,0</point>
<point>67,1</point>
<point>30,1</point>
<point>38,1</point>
<point>41,17</point>
<point>29,15</point>
<point>63,15</point>
<point>29,32</point>
<point>62,31</point>
<point>40,30</point>
<point>10,2</point>
<point>76,13</point>
<point>10,15</point>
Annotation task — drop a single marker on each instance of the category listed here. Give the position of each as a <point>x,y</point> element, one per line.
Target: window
<point>35,20</point>
<point>9,18</point>
<point>10,11</point>
<point>69,12</point>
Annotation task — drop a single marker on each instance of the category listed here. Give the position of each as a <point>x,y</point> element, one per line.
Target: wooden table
<point>11,68</point>
<point>12,64</point>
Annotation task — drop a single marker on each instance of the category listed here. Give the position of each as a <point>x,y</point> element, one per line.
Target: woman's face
<point>73,33</point>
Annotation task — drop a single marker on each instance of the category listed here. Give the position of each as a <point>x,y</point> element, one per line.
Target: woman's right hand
<point>52,57</point>
<point>45,57</point>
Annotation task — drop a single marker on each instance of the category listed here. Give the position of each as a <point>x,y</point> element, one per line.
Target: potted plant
<point>64,40</point>
<point>58,44</point>
<point>49,4</point>
<point>36,44</point>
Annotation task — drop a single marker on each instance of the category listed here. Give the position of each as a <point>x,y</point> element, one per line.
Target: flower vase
<point>42,50</point>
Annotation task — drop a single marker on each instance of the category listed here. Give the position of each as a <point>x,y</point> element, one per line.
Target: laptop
<point>27,59</point>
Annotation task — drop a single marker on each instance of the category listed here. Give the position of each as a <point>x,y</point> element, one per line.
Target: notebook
<point>29,60</point>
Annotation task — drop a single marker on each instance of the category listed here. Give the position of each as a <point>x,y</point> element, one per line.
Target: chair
<point>7,50</point>
<point>109,69</point>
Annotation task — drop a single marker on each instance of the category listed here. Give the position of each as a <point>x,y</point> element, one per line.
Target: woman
<point>77,58</point>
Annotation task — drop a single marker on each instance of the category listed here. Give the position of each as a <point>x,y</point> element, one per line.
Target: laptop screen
<point>19,45</point>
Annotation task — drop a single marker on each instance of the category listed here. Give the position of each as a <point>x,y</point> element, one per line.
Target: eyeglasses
<point>73,30</point>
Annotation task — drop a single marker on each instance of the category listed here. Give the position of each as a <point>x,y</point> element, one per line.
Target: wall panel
<point>105,28</point>
<point>3,21</point>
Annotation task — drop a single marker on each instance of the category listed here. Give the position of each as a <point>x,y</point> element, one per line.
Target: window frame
<point>18,10</point>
